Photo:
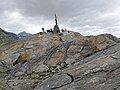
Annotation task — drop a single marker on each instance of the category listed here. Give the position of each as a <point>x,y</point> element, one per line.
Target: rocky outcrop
<point>61,61</point>
<point>101,42</point>
<point>101,73</point>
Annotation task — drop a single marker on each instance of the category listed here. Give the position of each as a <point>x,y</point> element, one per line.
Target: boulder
<point>70,61</point>
<point>56,58</point>
<point>55,82</point>
<point>102,42</point>
<point>40,68</point>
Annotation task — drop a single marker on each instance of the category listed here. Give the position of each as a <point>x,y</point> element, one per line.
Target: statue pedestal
<point>56,29</point>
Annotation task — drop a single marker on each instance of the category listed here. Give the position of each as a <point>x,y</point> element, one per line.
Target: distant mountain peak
<point>23,34</point>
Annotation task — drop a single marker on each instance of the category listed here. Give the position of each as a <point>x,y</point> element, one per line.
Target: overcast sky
<point>89,17</point>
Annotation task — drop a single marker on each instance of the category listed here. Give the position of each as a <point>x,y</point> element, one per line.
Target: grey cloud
<point>45,8</point>
<point>71,13</point>
<point>64,8</point>
<point>7,5</point>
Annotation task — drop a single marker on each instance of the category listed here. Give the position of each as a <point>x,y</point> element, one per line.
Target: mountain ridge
<point>6,37</point>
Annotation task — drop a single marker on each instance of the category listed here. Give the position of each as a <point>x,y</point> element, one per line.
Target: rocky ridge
<point>6,37</point>
<point>61,61</point>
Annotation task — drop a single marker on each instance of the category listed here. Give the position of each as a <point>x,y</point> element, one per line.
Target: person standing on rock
<point>43,29</point>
